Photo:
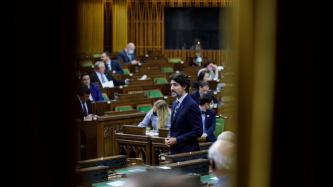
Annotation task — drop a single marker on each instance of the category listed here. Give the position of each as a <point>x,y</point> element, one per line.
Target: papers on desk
<point>108,84</point>
<point>151,133</point>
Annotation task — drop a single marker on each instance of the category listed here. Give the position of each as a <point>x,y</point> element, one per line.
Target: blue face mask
<point>198,60</point>
<point>154,113</point>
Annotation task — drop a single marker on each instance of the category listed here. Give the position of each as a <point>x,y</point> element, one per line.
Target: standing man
<point>128,55</point>
<point>186,123</point>
<point>111,66</point>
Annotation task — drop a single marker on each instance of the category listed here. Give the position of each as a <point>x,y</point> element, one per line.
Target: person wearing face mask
<point>158,116</point>
<point>208,118</point>
<point>212,69</point>
<point>197,61</point>
<point>127,56</point>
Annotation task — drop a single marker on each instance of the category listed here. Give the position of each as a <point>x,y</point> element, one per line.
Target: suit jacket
<point>196,97</point>
<point>96,92</point>
<point>210,124</point>
<point>186,126</point>
<point>94,79</point>
<point>122,56</point>
<point>115,66</point>
<point>78,113</point>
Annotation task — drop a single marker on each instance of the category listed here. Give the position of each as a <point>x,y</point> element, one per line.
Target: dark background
<point>185,25</point>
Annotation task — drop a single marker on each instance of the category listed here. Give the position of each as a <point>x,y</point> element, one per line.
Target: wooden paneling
<point>146,27</point>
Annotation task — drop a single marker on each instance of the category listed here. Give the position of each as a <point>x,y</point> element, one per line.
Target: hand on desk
<point>170,141</point>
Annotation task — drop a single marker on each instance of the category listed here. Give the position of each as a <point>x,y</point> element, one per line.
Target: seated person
<point>221,157</point>
<point>202,76</point>
<point>95,92</point>
<point>101,77</point>
<point>82,102</point>
<point>212,69</point>
<point>127,56</point>
<point>208,118</point>
<point>111,66</point>
<point>203,89</point>
<point>158,116</point>
<point>197,60</point>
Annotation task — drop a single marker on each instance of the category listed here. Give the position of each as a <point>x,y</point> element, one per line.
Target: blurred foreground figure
<point>164,179</point>
<point>221,158</point>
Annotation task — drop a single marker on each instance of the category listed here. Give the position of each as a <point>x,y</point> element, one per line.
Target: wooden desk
<point>134,146</point>
<point>97,138</point>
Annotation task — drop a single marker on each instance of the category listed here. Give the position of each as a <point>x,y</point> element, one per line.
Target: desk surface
<point>207,179</point>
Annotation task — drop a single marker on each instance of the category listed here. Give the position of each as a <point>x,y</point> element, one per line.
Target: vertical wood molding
<point>90,26</point>
<point>119,25</point>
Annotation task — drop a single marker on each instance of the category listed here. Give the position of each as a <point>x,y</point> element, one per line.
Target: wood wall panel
<point>146,27</point>
<point>90,26</point>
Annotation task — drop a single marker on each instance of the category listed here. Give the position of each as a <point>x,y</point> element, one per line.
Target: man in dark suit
<point>82,102</point>
<point>99,76</point>
<point>95,92</point>
<point>127,56</point>
<point>111,66</point>
<point>186,123</point>
<point>208,118</point>
<point>203,89</point>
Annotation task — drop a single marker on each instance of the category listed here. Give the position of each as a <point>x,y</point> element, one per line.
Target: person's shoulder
<point>210,112</point>
<point>190,101</point>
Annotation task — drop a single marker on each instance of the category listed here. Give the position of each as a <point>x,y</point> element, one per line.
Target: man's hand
<point>204,135</point>
<point>170,141</point>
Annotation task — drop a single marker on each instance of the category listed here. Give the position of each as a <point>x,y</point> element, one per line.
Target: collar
<point>180,100</point>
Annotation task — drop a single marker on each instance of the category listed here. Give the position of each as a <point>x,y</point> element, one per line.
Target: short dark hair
<point>205,98</point>
<point>203,84</point>
<point>182,79</point>
<point>84,74</point>
<point>83,89</point>
<point>202,75</point>
<point>107,53</point>
<point>208,62</point>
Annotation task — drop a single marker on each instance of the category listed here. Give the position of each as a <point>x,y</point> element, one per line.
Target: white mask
<point>199,59</point>
<point>130,51</point>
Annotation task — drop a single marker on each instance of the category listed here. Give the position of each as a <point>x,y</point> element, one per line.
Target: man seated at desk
<point>208,118</point>
<point>106,80</point>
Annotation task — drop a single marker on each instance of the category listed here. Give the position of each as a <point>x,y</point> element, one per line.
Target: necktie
<point>102,77</point>
<point>85,113</point>
<point>109,65</point>
<point>176,108</point>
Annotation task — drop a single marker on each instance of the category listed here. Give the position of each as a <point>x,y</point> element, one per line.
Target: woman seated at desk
<point>158,116</point>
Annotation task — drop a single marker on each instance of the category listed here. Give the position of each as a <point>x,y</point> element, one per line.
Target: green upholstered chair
<point>86,64</point>
<point>219,126</point>
<point>144,108</point>
<point>123,108</point>
<point>175,60</point>
<point>126,71</point>
<point>96,55</point>
<point>167,69</point>
<point>105,97</point>
<point>154,94</point>
<point>160,80</point>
